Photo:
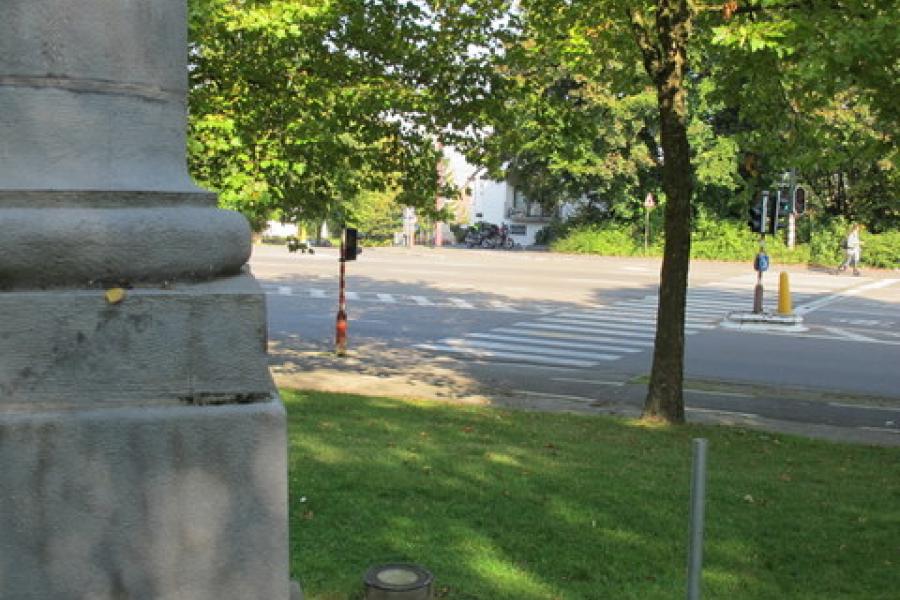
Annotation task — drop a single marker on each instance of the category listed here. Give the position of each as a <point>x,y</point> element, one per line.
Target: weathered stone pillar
<point>142,443</point>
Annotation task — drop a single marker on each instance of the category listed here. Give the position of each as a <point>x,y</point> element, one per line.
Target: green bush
<point>732,241</point>
<point>881,251</point>
<point>609,240</point>
<point>555,230</point>
<point>722,240</point>
<point>825,241</point>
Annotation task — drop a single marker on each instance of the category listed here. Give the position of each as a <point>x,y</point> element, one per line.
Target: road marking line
<point>721,412</point>
<point>695,305</point>
<point>848,334</point>
<point>589,381</point>
<point>542,351</point>
<point>714,393</point>
<point>623,321</point>
<point>634,311</point>
<point>573,336</point>
<point>817,304</point>
<point>554,396</point>
<point>864,406</point>
<point>387,298</point>
<point>284,290</point>
<point>627,317</point>
<point>460,303</point>
<point>421,300</point>
<point>503,306</point>
<point>891,314</point>
<point>882,429</point>
<point>315,293</point>
<point>524,357</point>
<point>545,342</point>
<point>518,365</point>
<point>609,330</point>
<point>813,336</point>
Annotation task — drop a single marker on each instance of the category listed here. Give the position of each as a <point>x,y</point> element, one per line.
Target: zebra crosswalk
<point>433,301</point>
<point>587,337</point>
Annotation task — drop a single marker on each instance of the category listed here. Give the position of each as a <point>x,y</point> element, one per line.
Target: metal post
<point>340,334</point>
<point>792,230</point>
<point>758,295</point>
<point>646,228</point>
<point>698,502</point>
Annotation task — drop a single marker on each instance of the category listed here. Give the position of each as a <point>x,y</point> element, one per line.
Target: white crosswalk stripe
<point>583,338</point>
<point>460,303</point>
<point>504,306</point>
<point>519,357</point>
<point>540,342</point>
<point>564,335</point>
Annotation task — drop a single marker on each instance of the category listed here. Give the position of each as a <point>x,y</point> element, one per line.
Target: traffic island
<point>764,321</point>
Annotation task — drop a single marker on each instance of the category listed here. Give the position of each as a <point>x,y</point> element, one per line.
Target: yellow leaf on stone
<point>115,295</point>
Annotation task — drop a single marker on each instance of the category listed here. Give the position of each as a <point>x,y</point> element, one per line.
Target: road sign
<point>649,201</point>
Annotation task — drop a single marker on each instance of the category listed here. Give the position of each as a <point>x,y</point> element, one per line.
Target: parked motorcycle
<point>489,236</point>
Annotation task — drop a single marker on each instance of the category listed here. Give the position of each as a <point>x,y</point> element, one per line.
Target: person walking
<point>852,247</point>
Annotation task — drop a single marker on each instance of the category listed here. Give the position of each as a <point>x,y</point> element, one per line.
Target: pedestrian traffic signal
<point>757,217</point>
<point>799,200</point>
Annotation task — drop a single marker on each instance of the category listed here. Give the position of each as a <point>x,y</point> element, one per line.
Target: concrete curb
<point>763,322</point>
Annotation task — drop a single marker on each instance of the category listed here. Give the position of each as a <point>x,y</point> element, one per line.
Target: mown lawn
<point>520,505</point>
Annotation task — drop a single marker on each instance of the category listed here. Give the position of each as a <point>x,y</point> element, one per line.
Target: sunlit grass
<point>520,505</point>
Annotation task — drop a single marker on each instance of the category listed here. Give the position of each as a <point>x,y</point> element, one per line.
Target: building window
<point>520,202</point>
<point>522,207</point>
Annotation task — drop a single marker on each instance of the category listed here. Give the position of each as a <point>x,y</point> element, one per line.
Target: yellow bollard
<point>784,295</point>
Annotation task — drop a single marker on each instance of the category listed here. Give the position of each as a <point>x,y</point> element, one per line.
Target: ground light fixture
<point>398,581</point>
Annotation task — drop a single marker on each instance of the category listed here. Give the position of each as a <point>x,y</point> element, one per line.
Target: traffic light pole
<point>340,332</point>
<point>792,230</point>
<point>761,265</point>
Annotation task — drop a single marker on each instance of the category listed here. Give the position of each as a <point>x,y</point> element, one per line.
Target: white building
<point>501,202</point>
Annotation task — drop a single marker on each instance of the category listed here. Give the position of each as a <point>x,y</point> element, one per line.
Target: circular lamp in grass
<point>398,581</point>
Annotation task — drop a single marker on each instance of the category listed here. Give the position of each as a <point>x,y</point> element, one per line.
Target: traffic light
<point>349,244</point>
<point>758,219</point>
<point>780,211</point>
<point>799,200</point>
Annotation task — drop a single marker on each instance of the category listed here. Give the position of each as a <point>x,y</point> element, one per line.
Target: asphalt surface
<point>555,332</point>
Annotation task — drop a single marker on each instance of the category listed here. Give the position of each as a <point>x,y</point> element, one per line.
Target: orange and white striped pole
<point>340,329</point>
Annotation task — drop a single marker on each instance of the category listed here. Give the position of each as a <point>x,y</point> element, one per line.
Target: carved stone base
<point>174,502</point>
<point>186,344</point>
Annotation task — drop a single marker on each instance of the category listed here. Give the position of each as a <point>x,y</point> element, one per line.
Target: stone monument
<point>142,443</point>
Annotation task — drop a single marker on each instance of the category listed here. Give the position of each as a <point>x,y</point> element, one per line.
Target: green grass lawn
<point>521,505</point>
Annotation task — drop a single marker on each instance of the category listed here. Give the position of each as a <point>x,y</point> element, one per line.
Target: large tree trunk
<point>665,57</point>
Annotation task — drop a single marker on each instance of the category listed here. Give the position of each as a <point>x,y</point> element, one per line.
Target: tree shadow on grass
<point>520,505</point>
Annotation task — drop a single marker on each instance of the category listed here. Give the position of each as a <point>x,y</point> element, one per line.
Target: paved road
<point>540,329</point>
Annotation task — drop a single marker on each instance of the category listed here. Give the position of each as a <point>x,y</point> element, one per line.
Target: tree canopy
<point>302,107</point>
